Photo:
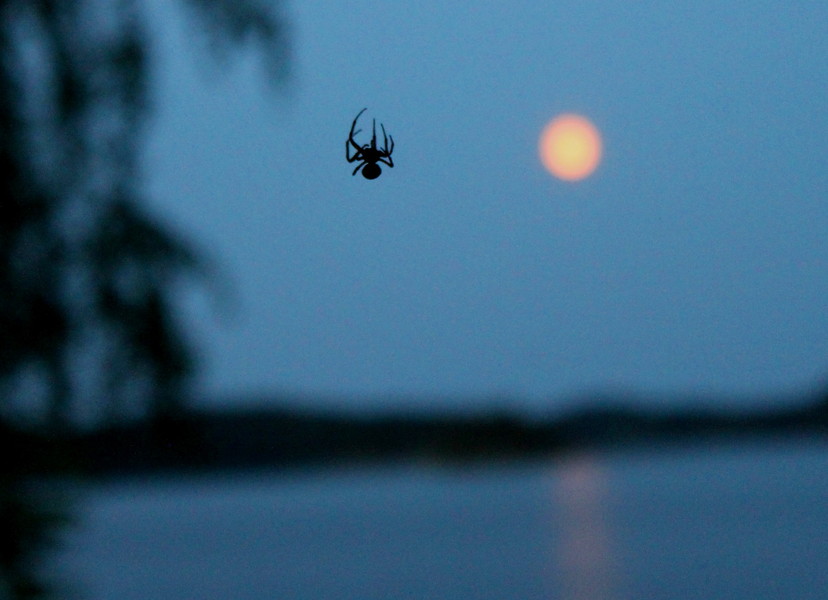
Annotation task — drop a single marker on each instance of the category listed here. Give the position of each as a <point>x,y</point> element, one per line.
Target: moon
<point>570,147</point>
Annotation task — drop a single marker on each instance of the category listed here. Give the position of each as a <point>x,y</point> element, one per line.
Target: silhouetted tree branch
<point>87,274</point>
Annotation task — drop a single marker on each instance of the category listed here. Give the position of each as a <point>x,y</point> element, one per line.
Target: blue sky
<point>692,262</point>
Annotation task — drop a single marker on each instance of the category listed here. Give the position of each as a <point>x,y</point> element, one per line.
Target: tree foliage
<point>87,305</point>
<point>87,274</point>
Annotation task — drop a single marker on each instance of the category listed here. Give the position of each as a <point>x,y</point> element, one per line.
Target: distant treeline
<point>276,438</point>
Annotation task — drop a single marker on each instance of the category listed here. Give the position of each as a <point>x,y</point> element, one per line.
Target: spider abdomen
<point>371,171</point>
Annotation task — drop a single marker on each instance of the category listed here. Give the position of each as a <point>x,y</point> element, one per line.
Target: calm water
<point>748,521</point>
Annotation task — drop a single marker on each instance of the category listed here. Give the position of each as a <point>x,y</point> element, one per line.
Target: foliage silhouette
<point>87,275</point>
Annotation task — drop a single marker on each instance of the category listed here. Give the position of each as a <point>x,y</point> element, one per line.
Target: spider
<point>368,154</point>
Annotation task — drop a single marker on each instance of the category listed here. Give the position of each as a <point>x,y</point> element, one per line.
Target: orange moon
<point>570,147</point>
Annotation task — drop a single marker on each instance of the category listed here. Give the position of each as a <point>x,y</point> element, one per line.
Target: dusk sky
<point>693,261</point>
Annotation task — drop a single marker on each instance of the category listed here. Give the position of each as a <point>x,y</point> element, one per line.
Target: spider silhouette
<point>369,155</point>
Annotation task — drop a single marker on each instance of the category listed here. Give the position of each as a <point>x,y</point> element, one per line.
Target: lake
<point>738,521</point>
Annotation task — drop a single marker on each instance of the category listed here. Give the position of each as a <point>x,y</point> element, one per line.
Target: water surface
<point>739,521</point>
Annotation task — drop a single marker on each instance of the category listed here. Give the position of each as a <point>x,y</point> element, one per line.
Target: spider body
<point>369,155</point>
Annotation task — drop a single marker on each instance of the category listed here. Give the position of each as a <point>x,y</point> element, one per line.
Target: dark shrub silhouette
<point>86,273</point>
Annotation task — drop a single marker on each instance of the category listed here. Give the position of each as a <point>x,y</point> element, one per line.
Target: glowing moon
<point>570,147</point>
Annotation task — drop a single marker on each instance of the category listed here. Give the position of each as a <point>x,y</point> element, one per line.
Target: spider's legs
<point>374,137</point>
<point>388,162</point>
<point>385,147</point>
<point>353,125</point>
<point>353,133</point>
<point>359,166</point>
<point>351,141</point>
<point>357,155</point>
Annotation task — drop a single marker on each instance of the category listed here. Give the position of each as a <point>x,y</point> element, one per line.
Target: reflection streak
<point>584,558</point>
